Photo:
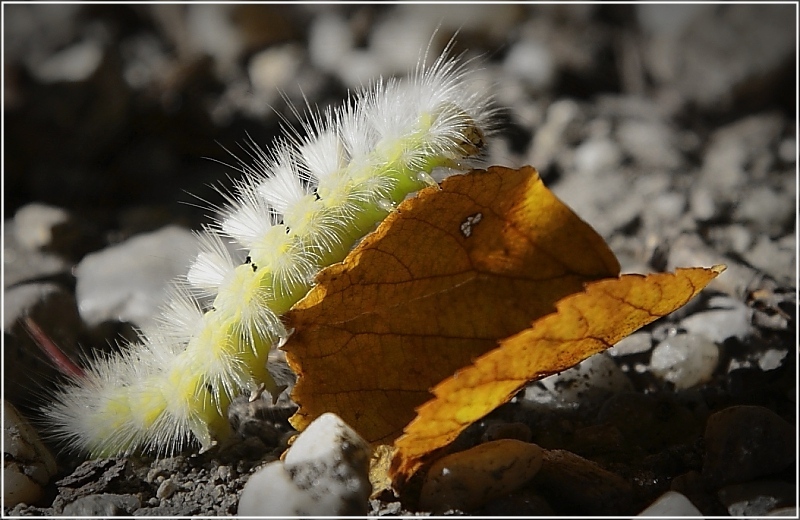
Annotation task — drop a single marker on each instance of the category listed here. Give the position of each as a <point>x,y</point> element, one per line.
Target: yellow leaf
<point>439,282</point>
<point>586,323</point>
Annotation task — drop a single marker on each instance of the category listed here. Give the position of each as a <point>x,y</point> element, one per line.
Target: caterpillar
<point>300,207</point>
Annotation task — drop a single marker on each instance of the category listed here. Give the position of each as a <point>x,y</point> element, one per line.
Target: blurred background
<point>113,110</point>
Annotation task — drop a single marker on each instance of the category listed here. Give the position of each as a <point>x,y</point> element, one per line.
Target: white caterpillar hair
<point>300,208</point>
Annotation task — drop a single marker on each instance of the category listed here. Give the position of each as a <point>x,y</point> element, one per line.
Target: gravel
<point>669,128</point>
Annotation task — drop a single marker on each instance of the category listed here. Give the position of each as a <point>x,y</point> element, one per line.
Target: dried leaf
<point>586,323</point>
<point>439,282</point>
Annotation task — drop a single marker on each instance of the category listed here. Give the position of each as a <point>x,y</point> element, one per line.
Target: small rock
<point>469,479</point>
<point>576,486</point>
<point>692,486</point>
<point>783,511</point>
<point>634,344</point>
<point>549,139</point>
<point>34,223</point>
<point>27,463</point>
<point>18,488</point>
<point>532,62</point>
<point>768,210</point>
<point>772,359</point>
<point>75,63</point>
<point>774,258</point>
<point>702,204</point>
<point>726,318</point>
<point>127,282</point>
<point>671,504</point>
<point>731,151</point>
<point>325,472</point>
<point>274,69</point>
<point>649,421</point>
<point>166,489</point>
<point>597,155</point>
<point>757,498</point>
<point>211,30</point>
<point>708,53</point>
<point>329,39</point>
<point>651,144</point>
<point>585,384</point>
<point>685,360</point>
<point>746,442</point>
<point>787,150</point>
<point>103,505</point>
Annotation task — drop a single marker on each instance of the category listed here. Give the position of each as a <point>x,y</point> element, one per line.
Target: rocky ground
<point>670,129</point>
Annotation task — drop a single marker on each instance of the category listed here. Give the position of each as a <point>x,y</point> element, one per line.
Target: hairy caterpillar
<point>301,207</point>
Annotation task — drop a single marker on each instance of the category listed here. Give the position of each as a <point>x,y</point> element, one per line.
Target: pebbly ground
<point>671,130</point>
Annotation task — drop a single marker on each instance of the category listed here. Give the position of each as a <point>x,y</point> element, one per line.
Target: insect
<point>301,207</point>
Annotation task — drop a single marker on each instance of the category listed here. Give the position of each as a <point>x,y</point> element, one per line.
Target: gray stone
<point>772,358</point>
<point>685,360</point>
<point>584,385</point>
<point>671,504</point>
<point>746,442</point>
<point>650,421</point>
<point>128,282</point>
<point>577,486</point>
<point>274,70</point>
<point>533,62</point>
<point>757,498</point>
<point>325,472</point>
<point>702,204</point>
<point>103,505</point>
<point>651,144</point>
<point>597,155</point>
<point>733,149</point>
<point>549,139</point>
<point>75,63</point>
<point>636,343</point>
<point>717,57</point>
<point>727,317</point>
<point>469,479</point>
<point>34,223</point>
<point>776,258</point>
<point>768,210</point>
<point>329,39</point>
<point>27,464</point>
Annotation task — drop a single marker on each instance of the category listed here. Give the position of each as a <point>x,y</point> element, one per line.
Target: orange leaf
<point>586,323</point>
<point>439,282</point>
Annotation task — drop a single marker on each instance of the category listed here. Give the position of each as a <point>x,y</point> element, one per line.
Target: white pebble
<point>533,62</point>
<point>726,318</point>
<point>329,39</point>
<point>771,359</point>
<point>34,222</point>
<point>670,504</point>
<point>75,63</point>
<point>634,344</point>
<point>128,282</point>
<point>685,360</point>
<point>325,472</point>
<point>597,156</point>
<point>586,383</point>
<point>275,68</point>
